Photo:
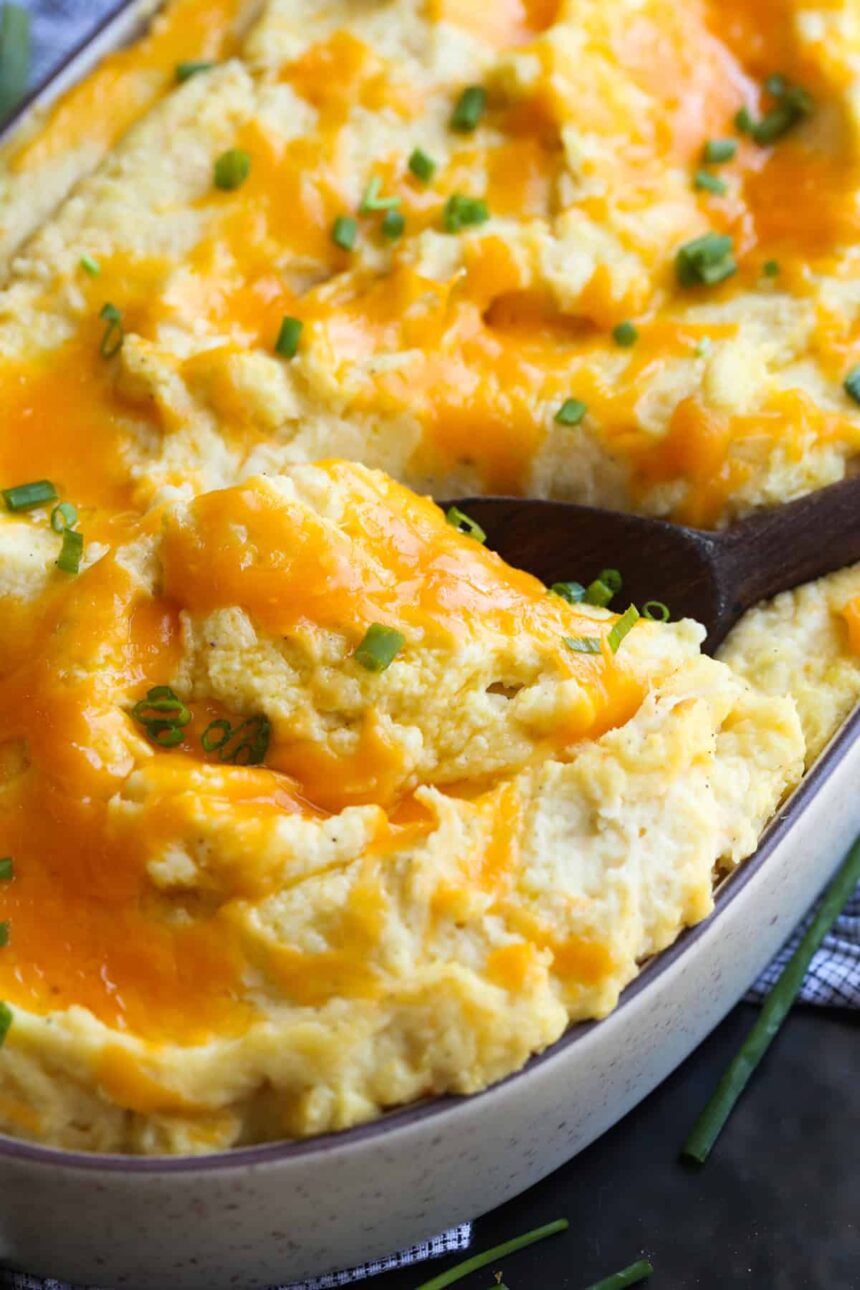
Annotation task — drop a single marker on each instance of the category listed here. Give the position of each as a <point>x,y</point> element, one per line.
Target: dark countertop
<point>777,1206</point>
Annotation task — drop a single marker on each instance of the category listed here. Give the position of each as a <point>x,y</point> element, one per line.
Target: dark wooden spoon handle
<point>785,546</point>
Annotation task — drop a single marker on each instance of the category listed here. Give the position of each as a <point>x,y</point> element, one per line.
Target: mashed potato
<point>385,883</point>
<point>309,804</point>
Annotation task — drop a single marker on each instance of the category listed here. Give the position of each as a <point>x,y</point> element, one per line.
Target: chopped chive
<point>193,66</point>
<point>744,120</point>
<point>776,85</point>
<point>24,497</point>
<point>212,742</point>
<point>607,584</point>
<point>851,384</point>
<point>657,611</point>
<point>14,56</point>
<point>770,268</point>
<point>422,166</point>
<point>7,869</point>
<point>287,344</point>
<point>161,703</point>
<point>705,261</point>
<point>64,516</point>
<point>231,169</point>
<point>393,225</point>
<point>625,334</point>
<point>69,559</point>
<point>4,935</point>
<point>463,524</point>
<point>344,232</point>
<point>572,592</point>
<point>704,181</point>
<point>6,1018</point>
<point>498,1252</point>
<point>90,265</point>
<point>379,647</point>
<point>571,412</point>
<point>612,579</point>
<point>245,744</point>
<point>114,333</point>
<point>773,1012</point>
<point>463,212</point>
<point>583,644</point>
<point>373,201</point>
<point>626,1277</point>
<point>716,151</point>
<point>469,109</point>
<point>793,104</point>
<point>704,346</point>
<point>622,627</point>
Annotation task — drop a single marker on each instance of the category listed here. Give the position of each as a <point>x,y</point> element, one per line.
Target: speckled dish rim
<point>826,764</point>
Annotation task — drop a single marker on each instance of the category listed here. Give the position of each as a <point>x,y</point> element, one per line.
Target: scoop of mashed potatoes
<point>315,806</point>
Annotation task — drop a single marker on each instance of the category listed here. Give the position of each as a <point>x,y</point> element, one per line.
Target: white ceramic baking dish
<point>267,1215</point>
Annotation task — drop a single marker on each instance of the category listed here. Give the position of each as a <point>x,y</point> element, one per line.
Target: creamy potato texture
<point>265,273</point>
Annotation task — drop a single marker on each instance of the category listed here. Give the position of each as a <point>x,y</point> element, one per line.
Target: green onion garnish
<point>184,71</point>
<point>612,579</point>
<point>463,212</point>
<point>5,1021</point>
<point>231,169</point>
<point>69,559</point>
<point>422,166</point>
<point>626,1277</point>
<point>469,109</point>
<point>657,611</point>
<point>744,120</point>
<point>622,627</point>
<point>793,104</point>
<point>851,384</point>
<point>583,644</point>
<point>287,344</point>
<point>64,516</point>
<point>716,151</point>
<point>244,744</point>
<point>114,335</point>
<point>770,268</point>
<point>705,261</point>
<point>625,334</point>
<point>24,497</point>
<point>572,592</point>
<point>704,345</point>
<point>598,593</point>
<point>379,647</point>
<point>7,869</point>
<point>498,1252</point>
<point>90,265</point>
<point>14,56</point>
<point>704,181</point>
<point>4,935</point>
<point>463,524</point>
<point>344,232</point>
<point>571,412</point>
<point>393,225</point>
<point>373,201</point>
<point>163,715</point>
<point>773,1013</point>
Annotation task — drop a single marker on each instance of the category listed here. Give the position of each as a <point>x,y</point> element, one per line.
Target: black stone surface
<point>777,1206</point>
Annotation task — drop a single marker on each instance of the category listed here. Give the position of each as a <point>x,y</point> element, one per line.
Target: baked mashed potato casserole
<point>310,805</point>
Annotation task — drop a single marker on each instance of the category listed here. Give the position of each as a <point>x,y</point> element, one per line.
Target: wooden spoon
<point>713,577</point>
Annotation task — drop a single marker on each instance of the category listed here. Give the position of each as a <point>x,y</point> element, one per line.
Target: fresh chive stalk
<point>630,1276</point>
<point>773,1012</point>
<point>14,56</point>
<point>494,1255</point>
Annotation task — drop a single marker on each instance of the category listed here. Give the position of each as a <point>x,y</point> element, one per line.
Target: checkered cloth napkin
<point>834,975</point>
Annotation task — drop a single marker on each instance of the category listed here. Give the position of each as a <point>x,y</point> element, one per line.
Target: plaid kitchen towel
<point>833,978</point>
<point>450,1242</point>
